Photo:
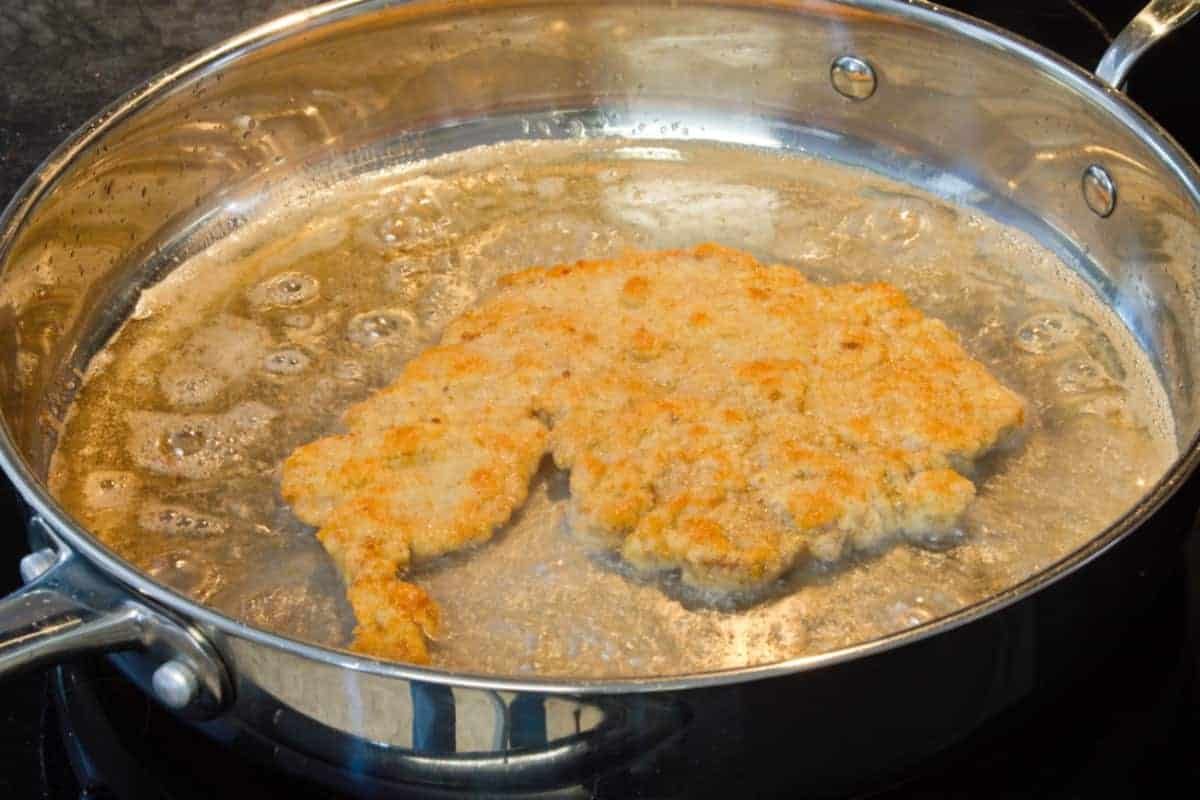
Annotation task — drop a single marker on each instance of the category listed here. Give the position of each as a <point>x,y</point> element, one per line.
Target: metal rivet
<point>175,684</point>
<point>852,77</point>
<point>1099,190</point>
<point>35,564</point>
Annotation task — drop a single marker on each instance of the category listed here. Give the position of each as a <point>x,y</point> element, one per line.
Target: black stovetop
<point>1129,727</point>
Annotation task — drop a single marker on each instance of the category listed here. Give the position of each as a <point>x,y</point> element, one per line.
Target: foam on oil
<point>255,346</point>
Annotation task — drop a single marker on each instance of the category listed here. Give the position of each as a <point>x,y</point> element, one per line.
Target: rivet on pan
<point>852,77</point>
<point>1099,190</point>
<point>175,684</point>
<point>34,565</point>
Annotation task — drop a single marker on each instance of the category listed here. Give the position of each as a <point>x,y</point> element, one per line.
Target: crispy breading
<point>408,492</point>
<point>717,416</point>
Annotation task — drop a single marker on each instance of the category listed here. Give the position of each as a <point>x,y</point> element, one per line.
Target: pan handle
<point>1158,19</point>
<point>67,609</point>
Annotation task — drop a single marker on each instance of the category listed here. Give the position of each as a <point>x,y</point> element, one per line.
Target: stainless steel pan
<point>902,84</point>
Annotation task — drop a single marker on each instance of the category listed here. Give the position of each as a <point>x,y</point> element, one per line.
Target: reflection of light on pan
<point>357,718</point>
<point>1096,151</point>
<point>433,718</point>
<point>648,153</point>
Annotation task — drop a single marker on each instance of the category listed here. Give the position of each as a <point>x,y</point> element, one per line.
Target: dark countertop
<point>64,60</point>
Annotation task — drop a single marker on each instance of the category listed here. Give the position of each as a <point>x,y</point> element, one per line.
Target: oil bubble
<point>387,232</point>
<point>382,326</point>
<point>1046,333</point>
<point>411,230</point>
<point>105,489</point>
<point>286,362</point>
<point>417,214</point>
<point>172,520</point>
<point>937,540</point>
<point>285,290</point>
<point>184,442</point>
<point>186,385</point>
<point>196,445</point>
<point>1081,375</point>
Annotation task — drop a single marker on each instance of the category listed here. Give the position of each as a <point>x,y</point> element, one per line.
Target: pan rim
<point>1115,104</point>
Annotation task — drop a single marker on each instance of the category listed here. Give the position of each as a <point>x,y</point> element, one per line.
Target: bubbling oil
<point>254,346</point>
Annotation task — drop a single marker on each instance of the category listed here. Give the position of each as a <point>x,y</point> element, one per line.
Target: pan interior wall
<point>269,315</point>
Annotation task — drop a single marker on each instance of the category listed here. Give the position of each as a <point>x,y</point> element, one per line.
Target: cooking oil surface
<point>254,346</point>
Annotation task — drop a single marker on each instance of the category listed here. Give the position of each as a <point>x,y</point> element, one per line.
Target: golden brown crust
<point>718,416</point>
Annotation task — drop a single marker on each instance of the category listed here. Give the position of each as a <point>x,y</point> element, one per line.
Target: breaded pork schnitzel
<point>717,416</point>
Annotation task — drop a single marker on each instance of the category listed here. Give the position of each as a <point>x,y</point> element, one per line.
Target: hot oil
<point>255,346</point>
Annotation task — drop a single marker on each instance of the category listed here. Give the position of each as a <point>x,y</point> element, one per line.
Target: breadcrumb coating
<point>718,417</point>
